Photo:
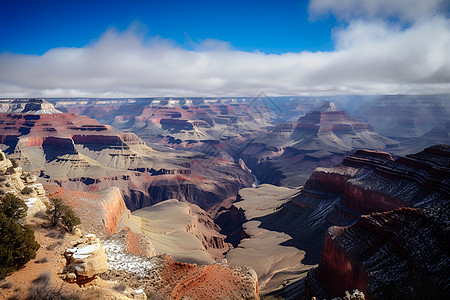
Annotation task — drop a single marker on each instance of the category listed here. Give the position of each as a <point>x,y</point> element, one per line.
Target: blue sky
<point>33,27</point>
<point>78,48</point>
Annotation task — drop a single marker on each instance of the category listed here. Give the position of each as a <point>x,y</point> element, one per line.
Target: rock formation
<point>87,258</point>
<point>182,230</point>
<point>102,213</point>
<point>168,279</point>
<point>321,138</point>
<point>401,254</point>
<point>401,116</point>
<point>23,185</point>
<point>78,153</point>
<point>365,182</point>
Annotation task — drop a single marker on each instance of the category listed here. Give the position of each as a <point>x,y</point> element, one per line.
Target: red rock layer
<point>186,281</point>
<point>402,254</point>
<point>102,213</point>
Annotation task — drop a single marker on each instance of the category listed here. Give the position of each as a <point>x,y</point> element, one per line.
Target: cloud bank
<point>371,56</point>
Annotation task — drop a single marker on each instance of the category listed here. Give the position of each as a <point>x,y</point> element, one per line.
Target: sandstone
<point>87,258</point>
<point>401,254</point>
<point>103,212</point>
<point>139,244</point>
<point>322,138</point>
<point>78,153</point>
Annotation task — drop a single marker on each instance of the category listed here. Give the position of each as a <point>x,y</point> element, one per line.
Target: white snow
<point>30,201</point>
<point>120,259</point>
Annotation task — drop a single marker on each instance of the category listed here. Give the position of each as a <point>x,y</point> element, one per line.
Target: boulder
<point>87,258</point>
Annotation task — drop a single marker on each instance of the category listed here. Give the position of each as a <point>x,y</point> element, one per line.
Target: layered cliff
<point>78,153</point>
<point>382,253</point>
<point>321,138</point>
<point>401,254</point>
<point>102,213</point>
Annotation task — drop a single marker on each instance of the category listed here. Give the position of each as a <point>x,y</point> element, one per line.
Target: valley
<point>258,183</point>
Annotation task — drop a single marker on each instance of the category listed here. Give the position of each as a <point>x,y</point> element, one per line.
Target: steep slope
<point>366,181</point>
<point>265,250</point>
<point>321,138</point>
<point>402,254</point>
<point>182,230</point>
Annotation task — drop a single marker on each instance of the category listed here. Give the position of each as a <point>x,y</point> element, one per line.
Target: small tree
<point>13,207</point>
<point>64,213</point>
<point>57,211</point>
<point>14,163</point>
<point>17,245</point>
<point>69,219</point>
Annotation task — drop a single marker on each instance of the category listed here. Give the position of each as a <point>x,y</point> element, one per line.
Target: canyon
<point>77,153</point>
<point>271,196</point>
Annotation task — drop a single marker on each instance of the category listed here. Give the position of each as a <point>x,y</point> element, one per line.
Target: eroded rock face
<point>209,281</point>
<point>182,230</point>
<point>321,138</point>
<point>87,258</point>
<point>103,212</point>
<point>402,254</point>
<point>23,185</point>
<point>169,279</point>
<point>78,153</point>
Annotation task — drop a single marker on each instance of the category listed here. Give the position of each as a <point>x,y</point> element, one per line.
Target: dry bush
<point>27,190</point>
<point>42,289</point>
<point>54,245</point>
<point>120,287</point>
<point>5,284</point>
<point>42,260</point>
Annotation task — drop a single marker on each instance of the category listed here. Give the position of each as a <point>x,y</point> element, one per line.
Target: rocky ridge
<point>321,138</point>
<point>399,254</point>
<point>77,153</point>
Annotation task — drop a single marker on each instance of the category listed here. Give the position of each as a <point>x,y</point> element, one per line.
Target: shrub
<point>17,245</point>
<point>13,207</point>
<point>17,242</point>
<point>69,219</point>
<point>5,284</point>
<point>64,213</point>
<point>43,260</point>
<point>57,211</point>
<point>27,190</point>
<point>42,288</point>
<point>14,163</point>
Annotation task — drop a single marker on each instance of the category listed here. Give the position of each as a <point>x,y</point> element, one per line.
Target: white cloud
<point>370,58</point>
<point>406,10</point>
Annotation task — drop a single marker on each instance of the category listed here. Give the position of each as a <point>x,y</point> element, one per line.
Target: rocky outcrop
<point>219,280</point>
<point>23,185</point>
<point>161,277</point>
<point>371,181</point>
<point>364,182</point>
<point>182,230</point>
<point>78,153</point>
<point>139,244</point>
<point>321,138</point>
<point>103,212</point>
<point>402,254</point>
<point>87,258</point>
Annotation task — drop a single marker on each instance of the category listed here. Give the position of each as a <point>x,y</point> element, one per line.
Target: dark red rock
<point>401,254</point>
